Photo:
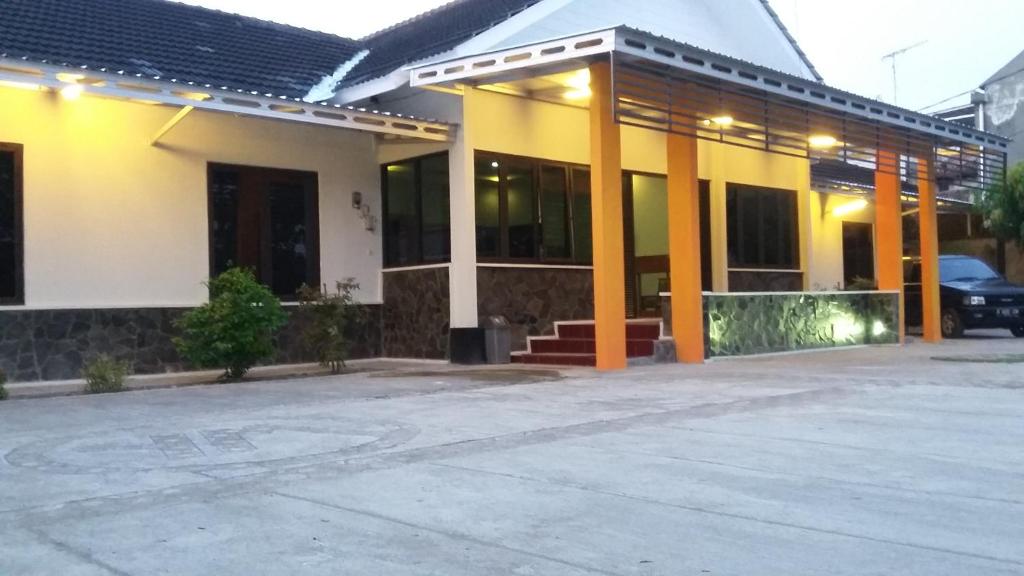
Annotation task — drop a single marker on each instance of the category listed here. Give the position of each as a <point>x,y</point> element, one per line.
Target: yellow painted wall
<point>827,263</point>
<point>514,125</point>
<point>112,221</point>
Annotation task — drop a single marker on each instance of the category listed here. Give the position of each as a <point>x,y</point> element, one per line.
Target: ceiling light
<point>69,77</point>
<point>849,208</point>
<point>495,164</point>
<point>578,84</point>
<point>723,121</point>
<point>20,85</point>
<point>822,141</point>
<point>580,94</point>
<point>71,91</point>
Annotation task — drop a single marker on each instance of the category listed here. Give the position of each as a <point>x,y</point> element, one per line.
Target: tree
<point>1003,206</point>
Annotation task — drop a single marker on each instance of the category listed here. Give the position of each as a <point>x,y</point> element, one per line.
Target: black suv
<point>973,296</point>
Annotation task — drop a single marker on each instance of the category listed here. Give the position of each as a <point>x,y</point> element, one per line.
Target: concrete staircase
<point>574,343</point>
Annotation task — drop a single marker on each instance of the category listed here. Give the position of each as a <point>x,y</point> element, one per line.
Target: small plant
<point>3,391</point>
<point>330,313</point>
<point>104,374</point>
<point>235,329</point>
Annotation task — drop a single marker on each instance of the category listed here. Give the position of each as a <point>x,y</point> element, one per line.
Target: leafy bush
<point>104,374</point>
<point>235,329</point>
<point>1003,206</point>
<point>3,391</point>
<point>329,315</point>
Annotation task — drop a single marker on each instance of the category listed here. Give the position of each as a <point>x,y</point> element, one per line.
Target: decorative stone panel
<point>738,324</point>
<point>533,299</point>
<point>416,314</point>
<point>55,344</point>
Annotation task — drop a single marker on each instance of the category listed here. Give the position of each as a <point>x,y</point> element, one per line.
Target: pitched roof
<point>1014,66</point>
<point>430,34</point>
<point>156,38</point>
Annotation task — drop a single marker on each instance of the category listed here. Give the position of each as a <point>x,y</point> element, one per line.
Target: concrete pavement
<point>867,461</point>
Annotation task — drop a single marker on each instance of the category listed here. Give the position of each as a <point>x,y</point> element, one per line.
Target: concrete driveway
<point>868,461</point>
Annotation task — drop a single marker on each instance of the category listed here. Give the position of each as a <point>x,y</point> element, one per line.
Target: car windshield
<point>965,270</point>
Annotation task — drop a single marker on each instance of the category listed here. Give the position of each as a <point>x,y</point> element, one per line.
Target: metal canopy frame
<point>673,87</point>
<point>205,97</point>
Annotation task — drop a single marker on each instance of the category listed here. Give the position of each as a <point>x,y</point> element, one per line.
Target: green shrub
<point>235,329</point>
<point>3,391</point>
<point>104,374</point>
<point>329,313</point>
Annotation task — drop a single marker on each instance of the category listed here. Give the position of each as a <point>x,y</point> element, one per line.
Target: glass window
<point>401,222</point>
<point>417,217</point>
<point>488,207</point>
<point>436,232</point>
<point>582,228</point>
<point>10,225</point>
<point>554,211</point>
<point>762,228</point>
<point>522,211</point>
<point>265,220</point>
<point>528,209</point>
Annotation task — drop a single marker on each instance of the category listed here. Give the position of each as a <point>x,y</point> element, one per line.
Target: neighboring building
<point>1002,106</point>
<point>534,155</point>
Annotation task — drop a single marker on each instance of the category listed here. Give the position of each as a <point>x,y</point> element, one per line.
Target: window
<point>762,228</point>
<point>416,209</point>
<point>11,281</point>
<point>532,210</point>
<point>265,220</point>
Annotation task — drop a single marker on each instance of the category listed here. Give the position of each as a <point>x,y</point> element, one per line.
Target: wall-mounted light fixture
<point>369,220</point>
<point>850,207</point>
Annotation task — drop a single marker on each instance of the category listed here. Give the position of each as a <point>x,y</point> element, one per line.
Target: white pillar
<point>462,274</point>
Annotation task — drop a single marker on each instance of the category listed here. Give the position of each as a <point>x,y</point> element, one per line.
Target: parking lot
<point>864,461</point>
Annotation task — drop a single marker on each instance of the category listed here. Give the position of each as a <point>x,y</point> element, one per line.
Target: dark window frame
<point>420,259</point>
<point>536,166</point>
<point>738,260</point>
<point>311,187</point>
<point>18,152</point>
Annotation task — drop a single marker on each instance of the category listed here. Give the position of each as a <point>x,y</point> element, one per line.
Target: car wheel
<point>1018,331</point>
<point>952,327</point>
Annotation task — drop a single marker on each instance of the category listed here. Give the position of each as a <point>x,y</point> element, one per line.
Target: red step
<point>585,331</point>
<point>556,359</point>
<point>575,345</point>
<point>634,348</point>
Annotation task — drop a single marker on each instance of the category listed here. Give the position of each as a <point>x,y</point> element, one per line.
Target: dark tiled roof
<point>430,34</point>
<point>172,41</point>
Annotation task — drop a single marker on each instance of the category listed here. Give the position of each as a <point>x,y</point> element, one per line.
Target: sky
<point>963,42</point>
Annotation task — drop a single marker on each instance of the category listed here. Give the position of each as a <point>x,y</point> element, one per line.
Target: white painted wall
<point>112,221</point>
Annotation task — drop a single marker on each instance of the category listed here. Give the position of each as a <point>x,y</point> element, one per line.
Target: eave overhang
<point>671,86</point>
<point>170,92</point>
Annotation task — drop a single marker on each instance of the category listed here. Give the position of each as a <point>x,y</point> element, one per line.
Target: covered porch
<point>717,113</point>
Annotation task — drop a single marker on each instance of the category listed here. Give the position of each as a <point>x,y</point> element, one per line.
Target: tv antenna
<point>891,56</point>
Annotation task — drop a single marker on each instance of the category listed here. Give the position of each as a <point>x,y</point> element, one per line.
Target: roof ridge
<point>792,40</point>
<point>262,21</point>
<point>407,21</point>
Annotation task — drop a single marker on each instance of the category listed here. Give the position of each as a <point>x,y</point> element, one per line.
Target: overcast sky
<point>965,41</point>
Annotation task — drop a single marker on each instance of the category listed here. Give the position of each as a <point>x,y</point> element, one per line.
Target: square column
<point>931,306</point>
<point>684,249</point>
<point>462,183</point>
<point>889,228</point>
<point>606,207</point>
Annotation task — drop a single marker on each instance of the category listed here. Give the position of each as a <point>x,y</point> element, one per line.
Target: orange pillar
<point>889,228</point>
<point>606,203</point>
<point>684,249</point>
<point>931,307</point>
